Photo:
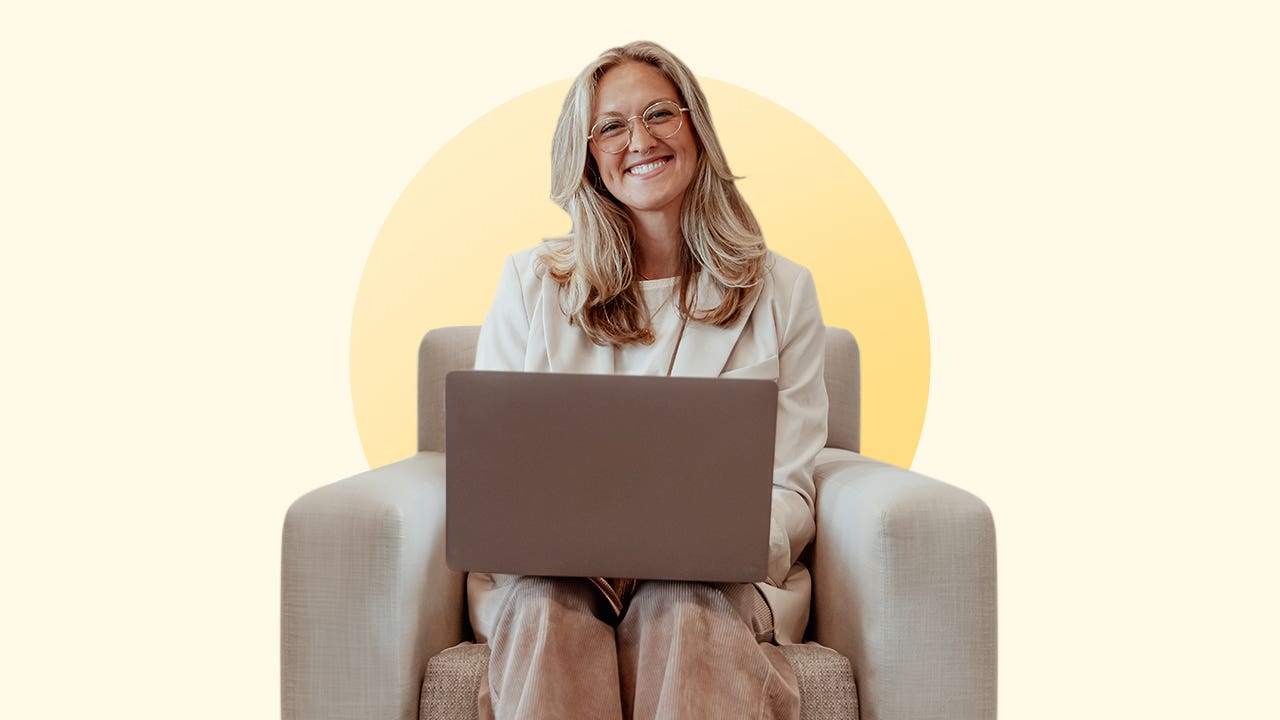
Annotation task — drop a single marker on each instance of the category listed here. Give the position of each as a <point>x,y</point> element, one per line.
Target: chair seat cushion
<point>825,678</point>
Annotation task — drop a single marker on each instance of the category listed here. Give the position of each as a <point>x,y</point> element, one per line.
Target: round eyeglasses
<point>612,133</point>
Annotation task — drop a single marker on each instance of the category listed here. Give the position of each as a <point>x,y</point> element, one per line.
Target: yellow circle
<point>485,195</point>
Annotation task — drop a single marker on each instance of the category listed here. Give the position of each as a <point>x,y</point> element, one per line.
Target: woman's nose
<point>641,140</point>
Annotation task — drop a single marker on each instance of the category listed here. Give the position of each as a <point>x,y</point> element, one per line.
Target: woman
<point>664,272</point>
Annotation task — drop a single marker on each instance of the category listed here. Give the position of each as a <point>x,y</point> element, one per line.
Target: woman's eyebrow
<point>651,103</point>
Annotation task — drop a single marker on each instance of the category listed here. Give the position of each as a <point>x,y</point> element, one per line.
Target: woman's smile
<point>648,169</point>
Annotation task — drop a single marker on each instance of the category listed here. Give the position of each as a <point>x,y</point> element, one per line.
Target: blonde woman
<point>665,272</point>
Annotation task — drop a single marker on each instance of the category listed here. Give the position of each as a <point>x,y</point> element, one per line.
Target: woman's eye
<point>612,127</point>
<point>660,115</point>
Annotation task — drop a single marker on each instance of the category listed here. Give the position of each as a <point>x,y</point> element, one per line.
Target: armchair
<point>903,569</point>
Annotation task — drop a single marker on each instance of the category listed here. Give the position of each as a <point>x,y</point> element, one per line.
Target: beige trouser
<point>682,650</point>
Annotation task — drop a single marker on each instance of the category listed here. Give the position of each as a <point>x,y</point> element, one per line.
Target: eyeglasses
<point>612,133</point>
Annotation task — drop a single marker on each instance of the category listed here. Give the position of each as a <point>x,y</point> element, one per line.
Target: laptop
<point>609,475</point>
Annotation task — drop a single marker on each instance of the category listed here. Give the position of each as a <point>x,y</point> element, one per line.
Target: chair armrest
<point>365,595</point>
<point>904,578</point>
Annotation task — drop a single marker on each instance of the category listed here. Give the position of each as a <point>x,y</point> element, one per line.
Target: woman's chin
<point>649,202</point>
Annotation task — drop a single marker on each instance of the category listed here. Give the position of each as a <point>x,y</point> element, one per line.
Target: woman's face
<point>650,174</point>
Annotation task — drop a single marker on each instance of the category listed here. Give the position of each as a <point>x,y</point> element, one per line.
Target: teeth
<point>641,169</point>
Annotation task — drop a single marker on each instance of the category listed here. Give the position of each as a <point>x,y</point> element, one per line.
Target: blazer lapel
<point>705,349</point>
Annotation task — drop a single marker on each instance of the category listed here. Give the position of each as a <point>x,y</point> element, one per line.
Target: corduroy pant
<point>681,650</point>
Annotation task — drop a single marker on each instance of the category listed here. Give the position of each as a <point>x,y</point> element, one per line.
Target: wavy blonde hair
<point>594,263</point>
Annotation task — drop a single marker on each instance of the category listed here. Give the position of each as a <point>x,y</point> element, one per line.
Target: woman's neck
<point>658,242</point>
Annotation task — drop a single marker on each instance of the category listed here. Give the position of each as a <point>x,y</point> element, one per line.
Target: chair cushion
<point>826,682</point>
<point>825,678</point>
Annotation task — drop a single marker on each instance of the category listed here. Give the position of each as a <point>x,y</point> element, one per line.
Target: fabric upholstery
<point>827,689</point>
<point>452,684</point>
<point>905,586</point>
<point>441,350</point>
<point>365,595</point>
<point>843,373</point>
<point>826,682</point>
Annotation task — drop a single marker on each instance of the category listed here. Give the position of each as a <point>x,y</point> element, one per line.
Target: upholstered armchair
<point>373,624</point>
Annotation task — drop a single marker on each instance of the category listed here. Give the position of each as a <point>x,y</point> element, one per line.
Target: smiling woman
<point>665,272</point>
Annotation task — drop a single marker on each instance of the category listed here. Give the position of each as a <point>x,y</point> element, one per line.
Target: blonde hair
<point>594,264</point>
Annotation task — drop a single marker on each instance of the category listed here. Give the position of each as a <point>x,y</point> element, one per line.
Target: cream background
<point>187,197</point>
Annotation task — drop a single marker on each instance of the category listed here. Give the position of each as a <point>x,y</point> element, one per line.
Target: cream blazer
<point>780,336</point>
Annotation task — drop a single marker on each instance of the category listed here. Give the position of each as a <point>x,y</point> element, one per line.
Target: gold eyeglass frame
<point>630,134</point>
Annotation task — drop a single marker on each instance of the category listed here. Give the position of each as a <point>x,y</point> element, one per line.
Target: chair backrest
<point>454,348</point>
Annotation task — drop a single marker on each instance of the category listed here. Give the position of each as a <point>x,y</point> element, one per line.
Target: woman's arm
<point>505,333</point>
<point>801,427</point>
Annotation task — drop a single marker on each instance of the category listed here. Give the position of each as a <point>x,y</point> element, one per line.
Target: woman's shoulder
<point>531,262</point>
<point>529,267</point>
<point>521,281</point>
<point>785,274</point>
<point>792,298</point>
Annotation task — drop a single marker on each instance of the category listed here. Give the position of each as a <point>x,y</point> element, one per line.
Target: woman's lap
<point>682,649</point>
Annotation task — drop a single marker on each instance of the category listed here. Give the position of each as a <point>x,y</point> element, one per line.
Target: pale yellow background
<point>187,197</point>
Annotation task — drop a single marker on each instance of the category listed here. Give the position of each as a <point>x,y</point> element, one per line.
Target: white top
<point>664,318</point>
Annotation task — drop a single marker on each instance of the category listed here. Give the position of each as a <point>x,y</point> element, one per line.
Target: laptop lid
<point>609,475</point>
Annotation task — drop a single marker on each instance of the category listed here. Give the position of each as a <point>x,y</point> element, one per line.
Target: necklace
<point>642,276</point>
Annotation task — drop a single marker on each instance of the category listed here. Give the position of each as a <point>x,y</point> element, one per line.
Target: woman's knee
<point>535,593</point>
<point>675,600</point>
<point>677,592</point>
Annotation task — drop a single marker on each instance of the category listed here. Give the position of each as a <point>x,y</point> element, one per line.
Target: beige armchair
<point>903,570</point>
